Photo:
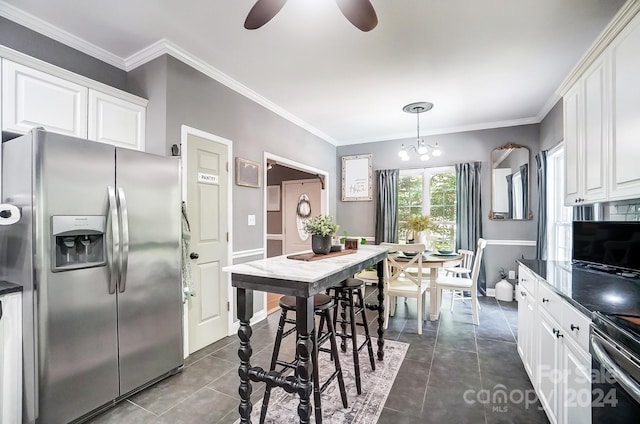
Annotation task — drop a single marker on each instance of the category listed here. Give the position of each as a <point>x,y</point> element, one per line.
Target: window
<point>559,216</point>
<point>432,192</point>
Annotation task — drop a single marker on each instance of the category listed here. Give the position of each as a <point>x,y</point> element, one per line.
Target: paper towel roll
<point>9,214</point>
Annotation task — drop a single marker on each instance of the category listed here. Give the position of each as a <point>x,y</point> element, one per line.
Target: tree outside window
<point>431,191</point>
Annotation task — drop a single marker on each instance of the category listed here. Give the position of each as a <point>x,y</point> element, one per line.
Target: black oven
<point>615,353</point>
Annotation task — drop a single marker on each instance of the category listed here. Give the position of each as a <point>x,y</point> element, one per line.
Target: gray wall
<point>191,98</point>
<point>552,127</point>
<point>24,40</point>
<point>359,217</point>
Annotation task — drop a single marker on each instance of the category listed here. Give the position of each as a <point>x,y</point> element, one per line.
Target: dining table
<point>303,279</point>
<point>436,261</point>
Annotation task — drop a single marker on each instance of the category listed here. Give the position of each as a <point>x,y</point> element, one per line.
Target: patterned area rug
<point>363,409</point>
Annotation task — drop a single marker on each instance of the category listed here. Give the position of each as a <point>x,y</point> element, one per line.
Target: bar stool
<point>343,296</point>
<point>322,305</point>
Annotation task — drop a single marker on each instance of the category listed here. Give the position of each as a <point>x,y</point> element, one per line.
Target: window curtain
<point>524,175</point>
<point>469,211</point>
<point>510,195</point>
<point>387,205</point>
<point>541,238</point>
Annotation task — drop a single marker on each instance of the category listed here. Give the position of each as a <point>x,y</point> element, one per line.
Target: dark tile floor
<point>454,372</point>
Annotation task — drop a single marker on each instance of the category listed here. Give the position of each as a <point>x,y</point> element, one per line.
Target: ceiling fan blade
<point>360,13</point>
<point>262,12</point>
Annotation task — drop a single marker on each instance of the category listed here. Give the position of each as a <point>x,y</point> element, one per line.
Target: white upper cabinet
<point>586,137</point>
<point>116,121</point>
<point>37,94</point>
<point>595,138</point>
<point>602,125</point>
<point>573,119</point>
<point>31,98</point>
<point>625,143</point>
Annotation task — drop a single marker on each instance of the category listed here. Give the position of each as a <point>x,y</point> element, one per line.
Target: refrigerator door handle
<point>124,225</point>
<point>115,242</point>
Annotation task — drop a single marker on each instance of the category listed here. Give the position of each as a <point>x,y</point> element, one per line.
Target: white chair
<point>465,284</point>
<point>461,270</point>
<point>403,276</point>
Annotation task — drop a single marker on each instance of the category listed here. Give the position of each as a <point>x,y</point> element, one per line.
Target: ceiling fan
<point>359,12</point>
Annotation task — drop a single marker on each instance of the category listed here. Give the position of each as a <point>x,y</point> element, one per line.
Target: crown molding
<point>42,27</point>
<point>445,130</point>
<point>628,11</point>
<point>167,47</point>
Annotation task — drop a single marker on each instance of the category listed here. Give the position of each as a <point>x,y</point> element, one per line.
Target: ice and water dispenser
<point>78,242</point>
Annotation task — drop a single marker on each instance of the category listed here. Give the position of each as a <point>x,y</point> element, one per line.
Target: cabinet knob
<point>575,328</point>
<point>555,331</point>
<point>523,294</point>
<point>545,300</point>
<point>194,255</point>
<point>558,335</point>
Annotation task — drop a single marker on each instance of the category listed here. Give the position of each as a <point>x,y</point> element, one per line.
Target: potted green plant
<point>415,224</point>
<point>321,228</point>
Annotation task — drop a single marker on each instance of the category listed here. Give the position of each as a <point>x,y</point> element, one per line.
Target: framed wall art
<point>247,173</point>
<point>357,178</point>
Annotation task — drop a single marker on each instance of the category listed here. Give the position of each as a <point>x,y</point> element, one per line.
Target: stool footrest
<point>329,380</point>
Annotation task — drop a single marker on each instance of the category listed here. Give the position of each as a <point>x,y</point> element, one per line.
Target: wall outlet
<point>512,274</point>
<point>251,220</point>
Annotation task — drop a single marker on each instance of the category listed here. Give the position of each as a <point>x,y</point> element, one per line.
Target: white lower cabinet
<point>11,358</point>
<point>526,322</point>
<point>552,342</point>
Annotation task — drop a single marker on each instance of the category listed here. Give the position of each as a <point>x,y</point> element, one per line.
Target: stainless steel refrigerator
<point>98,252</point>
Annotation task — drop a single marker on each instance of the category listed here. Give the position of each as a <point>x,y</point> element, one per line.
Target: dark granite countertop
<point>587,289</point>
<point>7,287</point>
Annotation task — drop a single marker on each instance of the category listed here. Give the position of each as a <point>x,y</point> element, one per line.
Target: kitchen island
<point>302,279</point>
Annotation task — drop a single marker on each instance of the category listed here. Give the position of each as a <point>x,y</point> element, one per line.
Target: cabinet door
<point>523,326</point>
<point>11,359</point>
<point>116,121</point>
<point>35,99</point>
<point>572,133</point>
<point>625,137</point>
<point>576,384</point>
<point>549,372</point>
<point>595,140</point>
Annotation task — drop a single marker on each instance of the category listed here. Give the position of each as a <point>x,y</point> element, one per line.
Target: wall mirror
<point>510,176</point>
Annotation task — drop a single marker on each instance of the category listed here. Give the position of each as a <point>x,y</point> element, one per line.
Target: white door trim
<point>185,131</point>
<point>292,164</point>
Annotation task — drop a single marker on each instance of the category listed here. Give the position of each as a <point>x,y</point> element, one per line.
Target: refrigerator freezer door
<point>78,349</point>
<point>150,304</point>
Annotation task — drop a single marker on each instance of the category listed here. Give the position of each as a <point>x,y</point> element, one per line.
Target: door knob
<point>194,255</point>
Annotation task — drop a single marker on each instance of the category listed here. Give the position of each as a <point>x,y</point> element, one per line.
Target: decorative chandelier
<point>421,148</point>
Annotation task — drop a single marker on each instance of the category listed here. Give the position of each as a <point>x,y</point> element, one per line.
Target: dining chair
<point>463,269</point>
<point>404,277</point>
<point>448,282</point>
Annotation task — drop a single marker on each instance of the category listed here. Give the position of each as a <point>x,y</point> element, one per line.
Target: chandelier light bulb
<point>424,157</point>
<point>402,151</point>
<point>422,149</point>
<point>437,152</point>
<point>404,158</point>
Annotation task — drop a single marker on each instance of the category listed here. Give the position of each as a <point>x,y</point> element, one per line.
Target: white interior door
<point>301,200</point>
<point>207,189</point>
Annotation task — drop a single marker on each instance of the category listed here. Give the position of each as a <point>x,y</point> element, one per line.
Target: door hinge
<point>228,307</point>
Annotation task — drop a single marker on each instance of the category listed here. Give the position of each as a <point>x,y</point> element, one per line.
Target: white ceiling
<point>484,64</point>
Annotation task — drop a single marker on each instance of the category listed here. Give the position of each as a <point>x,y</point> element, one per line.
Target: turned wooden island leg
<point>245,312</point>
<point>304,326</point>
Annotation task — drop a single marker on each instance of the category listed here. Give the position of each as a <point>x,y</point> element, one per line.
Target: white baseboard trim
<point>511,242</point>
<point>247,253</point>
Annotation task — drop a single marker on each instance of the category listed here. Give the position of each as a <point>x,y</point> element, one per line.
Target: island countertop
<point>7,287</point>
<point>303,278</point>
